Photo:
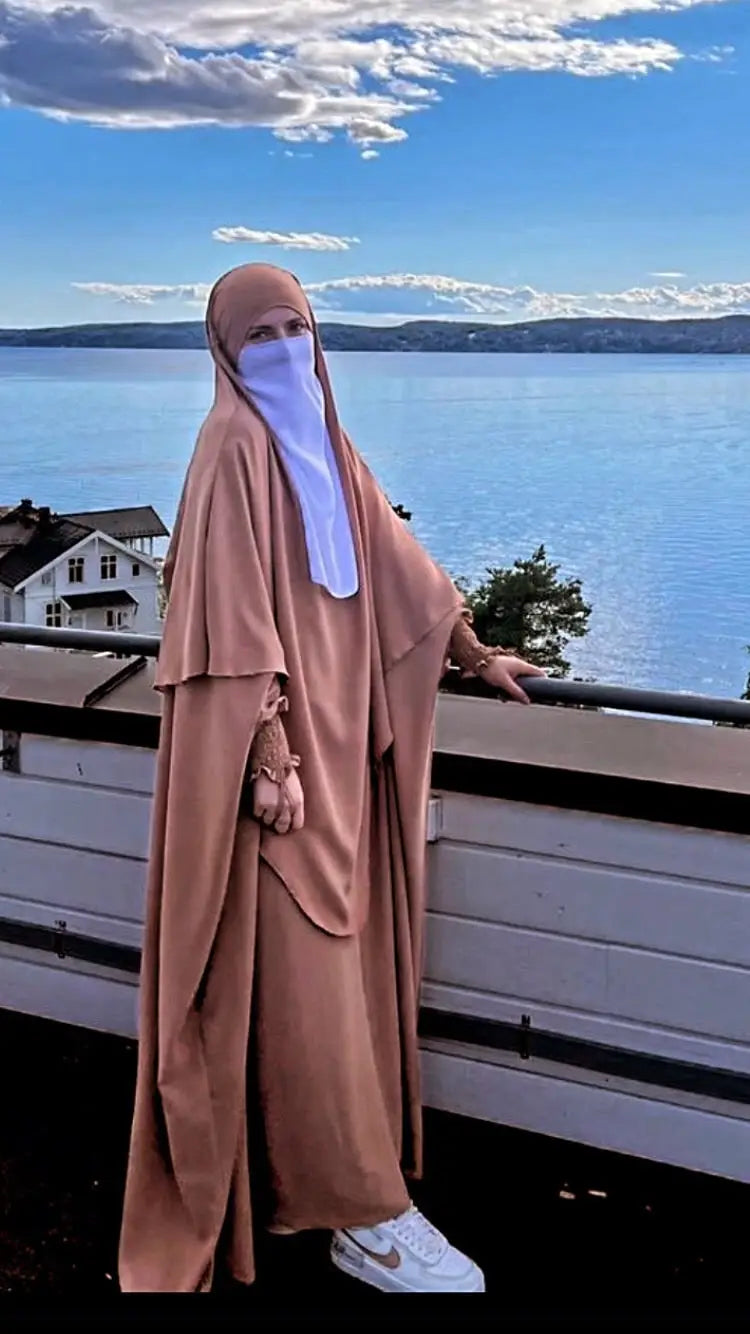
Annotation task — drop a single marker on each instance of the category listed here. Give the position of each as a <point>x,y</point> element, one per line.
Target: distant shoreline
<point>725,335</point>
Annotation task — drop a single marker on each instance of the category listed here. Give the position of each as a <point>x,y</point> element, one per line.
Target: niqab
<point>279,377</point>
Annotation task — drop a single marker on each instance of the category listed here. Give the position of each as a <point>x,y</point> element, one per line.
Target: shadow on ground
<point>554,1225</point>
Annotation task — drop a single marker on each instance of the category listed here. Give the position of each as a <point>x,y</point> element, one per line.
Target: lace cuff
<point>269,752</point>
<point>274,703</point>
<point>465,649</point>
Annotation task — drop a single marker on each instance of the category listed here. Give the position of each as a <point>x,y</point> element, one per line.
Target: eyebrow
<point>268,328</point>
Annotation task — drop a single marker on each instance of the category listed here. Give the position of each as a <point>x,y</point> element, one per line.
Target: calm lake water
<point>633,470</point>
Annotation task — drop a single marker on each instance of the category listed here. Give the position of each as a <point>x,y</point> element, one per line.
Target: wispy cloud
<point>666,273</point>
<point>285,240</point>
<point>416,294</point>
<point>419,295</point>
<point>305,70</point>
<point>148,294</point>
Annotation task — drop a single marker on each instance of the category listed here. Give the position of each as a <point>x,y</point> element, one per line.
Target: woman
<point>305,638</point>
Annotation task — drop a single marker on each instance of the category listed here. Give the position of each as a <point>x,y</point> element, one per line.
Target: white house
<point>93,571</point>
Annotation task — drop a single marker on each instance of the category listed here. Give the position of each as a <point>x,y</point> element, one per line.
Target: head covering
<point>219,570</point>
<point>279,377</point>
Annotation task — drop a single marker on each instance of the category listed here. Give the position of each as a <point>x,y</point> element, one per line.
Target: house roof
<point>32,538</point>
<point>16,526</point>
<point>124,524</point>
<point>117,597</point>
<point>35,547</point>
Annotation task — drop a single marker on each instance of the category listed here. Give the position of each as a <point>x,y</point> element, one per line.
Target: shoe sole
<point>385,1280</point>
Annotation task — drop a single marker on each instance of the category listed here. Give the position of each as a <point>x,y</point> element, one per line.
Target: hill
<point>727,335</point>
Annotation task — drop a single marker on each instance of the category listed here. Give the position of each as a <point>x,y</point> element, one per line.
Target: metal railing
<point>90,641</point>
<point>626,699</point>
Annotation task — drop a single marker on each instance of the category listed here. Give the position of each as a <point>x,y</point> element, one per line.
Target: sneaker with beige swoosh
<point>405,1254</point>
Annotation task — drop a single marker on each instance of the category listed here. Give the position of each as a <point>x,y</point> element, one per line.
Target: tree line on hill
<point>726,335</point>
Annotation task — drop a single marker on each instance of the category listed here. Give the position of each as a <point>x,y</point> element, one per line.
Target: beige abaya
<point>280,974</point>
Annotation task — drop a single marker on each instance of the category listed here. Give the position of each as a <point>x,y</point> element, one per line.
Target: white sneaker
<point>405,1254</point>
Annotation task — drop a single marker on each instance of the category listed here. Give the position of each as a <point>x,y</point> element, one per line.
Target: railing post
<point>10,752</point>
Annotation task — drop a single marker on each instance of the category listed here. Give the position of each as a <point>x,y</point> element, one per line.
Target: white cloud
<point>406,88</point>
<point>305,68</point>
<point>415,295</point>
<point>147,294</point>
<point>304,134</point>
<point>320,25</point>
<point>70,65</point>
<point>666,273</point>
<point>368,132</point>
<point>286,240</point>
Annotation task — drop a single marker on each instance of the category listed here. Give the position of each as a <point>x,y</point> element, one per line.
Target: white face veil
<point>279,377</point>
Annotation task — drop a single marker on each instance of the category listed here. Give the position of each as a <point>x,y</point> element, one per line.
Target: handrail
<point>92,641</point>
<point>628,699</point>
<point>542,690</point>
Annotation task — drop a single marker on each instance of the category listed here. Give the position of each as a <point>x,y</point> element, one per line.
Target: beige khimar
<point>361,676</point>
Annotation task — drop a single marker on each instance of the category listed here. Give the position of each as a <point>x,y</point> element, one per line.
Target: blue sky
<point>484,159</point>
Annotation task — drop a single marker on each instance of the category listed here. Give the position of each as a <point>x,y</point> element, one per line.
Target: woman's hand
<point>279,806</point>
<point>502,673</point>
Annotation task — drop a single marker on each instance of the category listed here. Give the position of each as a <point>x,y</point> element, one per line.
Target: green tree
<point>745,696</point>
<point>528,608</point>
<point>400,511</point>
<point>525,607</point>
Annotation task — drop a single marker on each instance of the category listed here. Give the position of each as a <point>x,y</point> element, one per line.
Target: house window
<point>136,570</point>
<point>109,566</point>
<point>116,619</point>
<point>53,614</point>
<point>75,570</point>
<point>6,607</point>
<point>47,577</point>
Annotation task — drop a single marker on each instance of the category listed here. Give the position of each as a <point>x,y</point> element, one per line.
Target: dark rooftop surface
<point>134,521</point>
<point>37,547</point>
<point>115,597</point>
<point>561,1230</point>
